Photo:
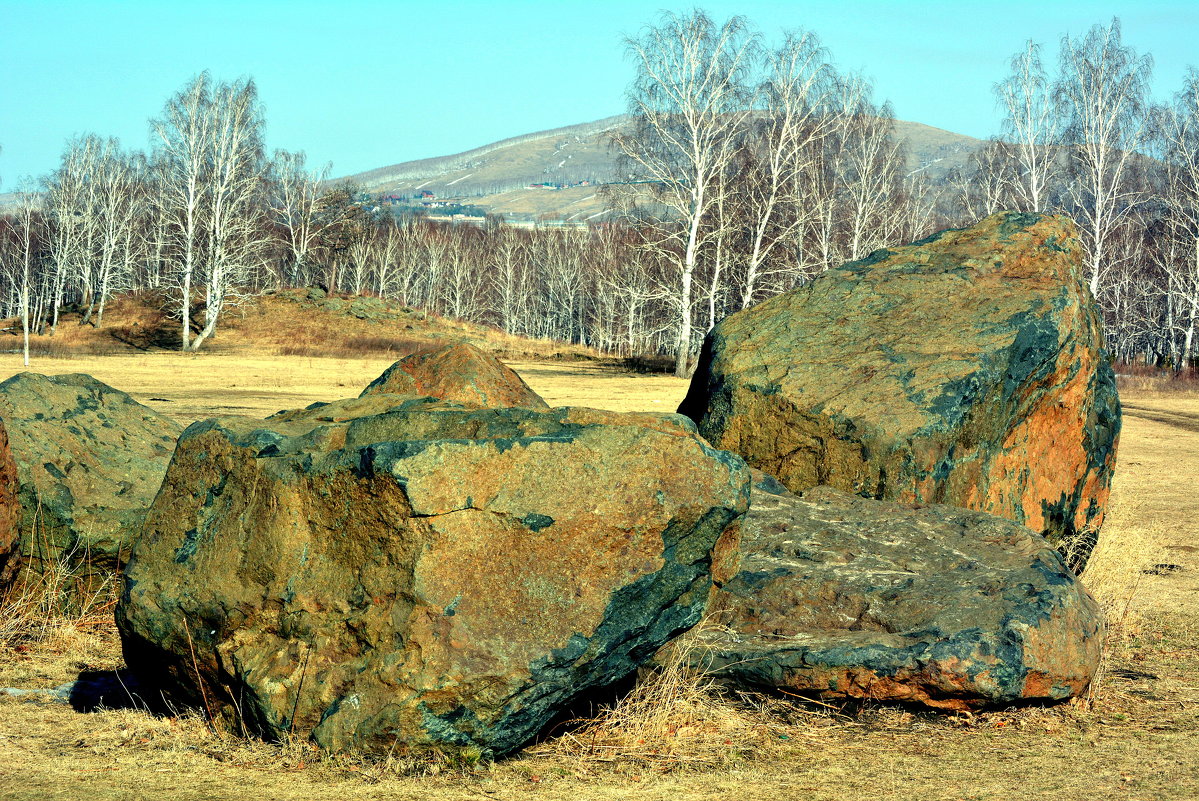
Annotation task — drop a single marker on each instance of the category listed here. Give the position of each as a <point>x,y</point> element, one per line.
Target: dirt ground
<point>1134,739</point>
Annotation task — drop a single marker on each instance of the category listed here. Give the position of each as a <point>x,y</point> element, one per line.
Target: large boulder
<point>10,509</point>
<point>967,369</point>
<point>845,597</point>
<point>429,577</point>
<point>461,373</point>
<point>89,460</point>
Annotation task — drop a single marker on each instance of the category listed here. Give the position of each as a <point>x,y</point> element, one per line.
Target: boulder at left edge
<point>10,509</point>
<point>89,460</point>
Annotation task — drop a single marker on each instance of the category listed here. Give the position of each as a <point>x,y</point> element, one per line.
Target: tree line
<point>746,168</point>
<point>1088,140</point>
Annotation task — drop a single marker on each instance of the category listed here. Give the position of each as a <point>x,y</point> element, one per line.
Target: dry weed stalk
<point>54,623</point>
<point>58,601</point>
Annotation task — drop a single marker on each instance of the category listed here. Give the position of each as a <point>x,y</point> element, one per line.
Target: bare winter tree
<point>1177,132</point>
<point>786,146</point>
<point>1102,95</point>
<point>688,103</point>
<point>987,183</point>
<point>210,140</point>
<point>117,213</point>
<point>1030,126</point>
<point>185,134</point>
<point>296,208</point>
<point>25,223</point>
<point>509,257</point>
<point>236,246</point>
<point>870,168</point>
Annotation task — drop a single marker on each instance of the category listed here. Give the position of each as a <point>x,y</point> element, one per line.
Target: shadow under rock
<point>94,690</point>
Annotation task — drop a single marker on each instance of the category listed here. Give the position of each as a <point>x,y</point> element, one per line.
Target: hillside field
<point>509,177</point>
<point>1134,739</point>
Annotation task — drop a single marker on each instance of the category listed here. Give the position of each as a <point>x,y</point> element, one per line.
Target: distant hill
<point>557,172</point>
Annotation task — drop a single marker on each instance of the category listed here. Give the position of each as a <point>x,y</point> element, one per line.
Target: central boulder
<point>430,577</point>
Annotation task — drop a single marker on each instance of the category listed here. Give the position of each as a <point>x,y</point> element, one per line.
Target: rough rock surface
<point>966,369</point>
<point>10,509</point>
<point>845,597</point>
<point>461,373</point>
<point>89,460</point>
<point>432,576</point>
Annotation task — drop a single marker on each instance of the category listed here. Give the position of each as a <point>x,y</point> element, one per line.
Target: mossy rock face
<point>462,373</point>
<point>844,597</point>
<point>966,369</point>
<point>89,460</point>
<point>431,576</point>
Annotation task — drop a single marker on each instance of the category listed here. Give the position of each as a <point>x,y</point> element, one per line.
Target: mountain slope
<point>556,172</point>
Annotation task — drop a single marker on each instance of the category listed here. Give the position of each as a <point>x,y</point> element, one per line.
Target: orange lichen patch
<point>726,555</point>
<point>907,687</point>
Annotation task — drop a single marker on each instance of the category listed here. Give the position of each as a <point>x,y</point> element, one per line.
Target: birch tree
<point>1031,126</point>
<point>26,223</point>
<point>688,103</point>
<point>1178,134</point>
<point>870,167</point>
<point>296,208</point>
<point>787,145</point>
<point>1102,95</point>
<point>210,142</point>
<point>235,245</point>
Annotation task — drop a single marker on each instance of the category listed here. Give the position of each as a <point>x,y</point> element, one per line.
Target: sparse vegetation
<point>675,736</point>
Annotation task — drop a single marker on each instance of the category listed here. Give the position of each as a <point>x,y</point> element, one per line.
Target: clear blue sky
<point>366,84</point>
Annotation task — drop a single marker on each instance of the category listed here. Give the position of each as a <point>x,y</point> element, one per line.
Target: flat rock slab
<point>427,577</point>
<point>844,597</point>
<point>462,373</point>
<point>966,369</point>
<point>89,460</point>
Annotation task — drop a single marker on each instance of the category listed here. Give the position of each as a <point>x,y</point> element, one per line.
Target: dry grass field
<point>1134,738</point>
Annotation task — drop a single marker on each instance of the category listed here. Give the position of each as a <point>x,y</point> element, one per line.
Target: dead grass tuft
<point>54,624</point>
<point>677,718</point>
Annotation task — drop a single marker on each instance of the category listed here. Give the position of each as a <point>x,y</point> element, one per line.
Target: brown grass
<point>674,737</point>
<point>675,718</point>
<point>286,323</point>
<point>49,630</point>
<point>1142,380</point>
